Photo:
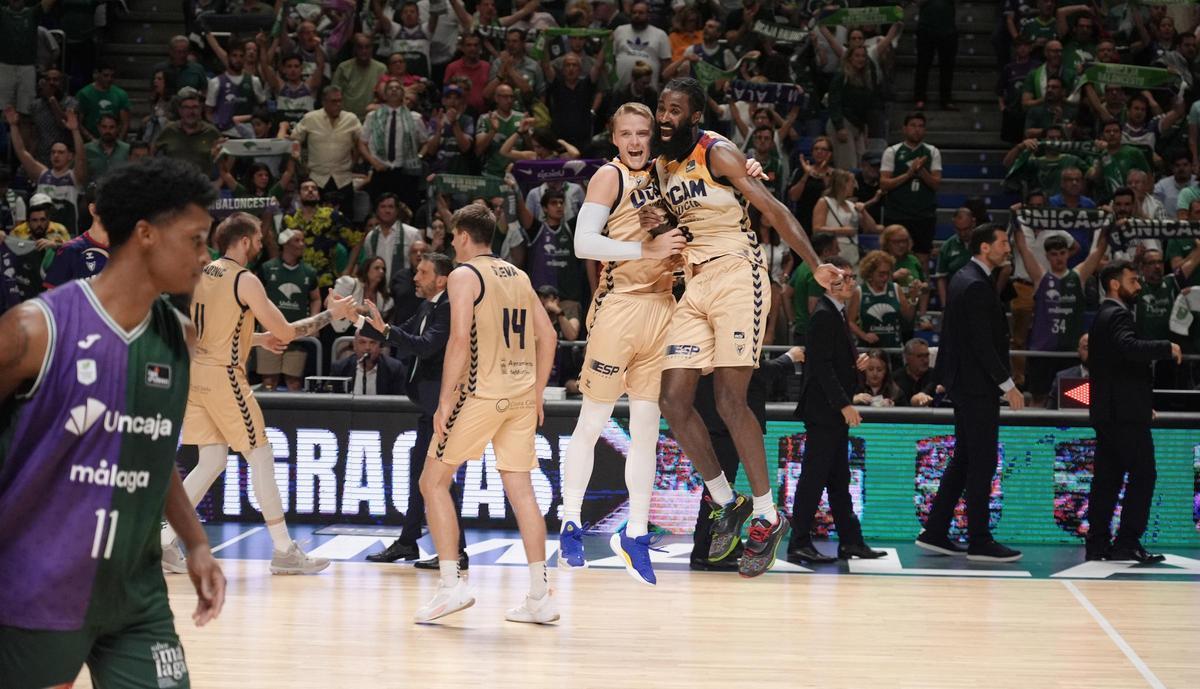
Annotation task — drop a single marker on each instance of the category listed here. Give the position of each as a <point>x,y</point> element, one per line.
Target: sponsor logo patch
<point>85,371</point>
<point>606,370</point>
<point>158,375</point>
<point>684,351</point>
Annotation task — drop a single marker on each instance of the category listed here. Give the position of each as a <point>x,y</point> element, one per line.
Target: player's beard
<point>678,146</point>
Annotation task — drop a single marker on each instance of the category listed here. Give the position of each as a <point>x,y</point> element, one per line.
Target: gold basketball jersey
<point>224,325</point>
<point>710,213</point>
<point>503,363</point>
<point>644,274</point>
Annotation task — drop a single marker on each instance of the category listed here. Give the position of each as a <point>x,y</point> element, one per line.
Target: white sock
<point>719,488</point>
<point>641,464</point>
<point>449,572</point>
<point>211,461</point>
<point>279,536</point>
<point>266,492</point>
<point>581,457</point>
<point>764,506</point>
<point>538,579</point>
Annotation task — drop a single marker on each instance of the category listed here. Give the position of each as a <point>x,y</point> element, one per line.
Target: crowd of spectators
<point>354,130</point>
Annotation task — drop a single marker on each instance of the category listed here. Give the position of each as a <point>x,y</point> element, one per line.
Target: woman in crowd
<point>838,214</point>
<point>880,308</point>
<point>854,94</point>
<point>160,107</point>
<point>875,385</point>
<point>909,274</point>
<point>809,181</point>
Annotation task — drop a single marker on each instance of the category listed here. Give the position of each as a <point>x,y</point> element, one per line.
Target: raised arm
<point>81,171</point>
<point>726,161</point>
<point>1032,266</point>
<point>250,292</point>
<point>1090,264</point>
<point>33,169</point>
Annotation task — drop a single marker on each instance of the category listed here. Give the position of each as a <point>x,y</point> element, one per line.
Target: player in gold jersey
<point>719,323</point>
<point>627,326</point>
<point>221,410</point>
<point>497,362</point>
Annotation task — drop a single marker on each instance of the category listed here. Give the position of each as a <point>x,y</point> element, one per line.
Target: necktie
<point>391,145</point>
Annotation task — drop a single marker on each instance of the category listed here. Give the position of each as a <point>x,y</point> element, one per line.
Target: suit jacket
<point>389,379</point>
<point>1119,363</point>
<point>427,348</point>
<point>973,358</point>
<point>767,374</point>
<point>830,375</point>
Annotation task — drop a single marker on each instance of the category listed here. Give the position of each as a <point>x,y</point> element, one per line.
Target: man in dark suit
<point>825,407</point>
<point>974,367</point>
<point>423,337</point>
<point>1121,412</point>
<point>1077,371</point>
<point>403,286</point>
<point>370,371</point>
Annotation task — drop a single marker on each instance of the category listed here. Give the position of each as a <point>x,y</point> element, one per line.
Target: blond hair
<point>873,261</point>
<point>891,232</point>
<point>631,108</point>
<point>234,228</point>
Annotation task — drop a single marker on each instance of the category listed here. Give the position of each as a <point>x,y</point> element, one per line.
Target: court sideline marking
<point>237,538</point>
<point>1113,634</point>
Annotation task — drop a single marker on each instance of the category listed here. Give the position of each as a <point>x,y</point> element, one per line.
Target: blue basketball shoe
<point>570,546</point>
<point>636,554</point>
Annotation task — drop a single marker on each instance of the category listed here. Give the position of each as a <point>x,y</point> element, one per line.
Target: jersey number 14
<point>514,324</point>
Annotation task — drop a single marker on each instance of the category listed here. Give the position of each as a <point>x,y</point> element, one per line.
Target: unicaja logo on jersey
<point>105,475</point>
<point>82,418</point>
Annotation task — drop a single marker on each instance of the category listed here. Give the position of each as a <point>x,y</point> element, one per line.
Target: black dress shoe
<point>396,551</point>
<point>464,562</point>
<point>861,551</point>
<point>941,545</point>
<point>992,551</point>
<point>809,554</point>
<point>1135,553</point>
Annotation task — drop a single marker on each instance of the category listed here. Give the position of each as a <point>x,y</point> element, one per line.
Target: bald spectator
<point>573,98</point>
<point>330,136</point>
<point>189,138</point>
<point>356,78</point>
<point>179,71</point>
<point>494,128</point>
<point>917,382</point>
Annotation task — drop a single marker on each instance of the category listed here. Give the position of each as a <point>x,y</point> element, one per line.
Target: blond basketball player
<point>497,362</point>
<point>627,326</point>
<point>719,323</point>
<point>221,410</point>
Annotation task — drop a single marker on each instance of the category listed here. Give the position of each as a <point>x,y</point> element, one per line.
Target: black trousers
<point>976,433</point>
<point>345,197</point>
<point>1121,448</point>
<point>414,516</point>
<point>826,465</point>
<point>946,50</point>
<point>727,455</point>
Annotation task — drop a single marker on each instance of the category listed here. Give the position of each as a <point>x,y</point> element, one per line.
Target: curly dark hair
<point>149,190</point>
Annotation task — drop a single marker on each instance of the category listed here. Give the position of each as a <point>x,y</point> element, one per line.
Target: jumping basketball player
<point>719,323</point>
<point>221,411</point>
<point>93,392</point>
<point>626,338</point>
<point>498,359</point>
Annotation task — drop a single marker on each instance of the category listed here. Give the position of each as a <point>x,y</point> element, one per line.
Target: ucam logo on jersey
<point>81,419</point>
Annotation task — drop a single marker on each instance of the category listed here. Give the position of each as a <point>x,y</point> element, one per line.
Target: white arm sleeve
<point>590,243</point>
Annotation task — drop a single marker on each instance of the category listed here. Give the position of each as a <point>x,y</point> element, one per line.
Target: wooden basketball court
<point>351,627</point>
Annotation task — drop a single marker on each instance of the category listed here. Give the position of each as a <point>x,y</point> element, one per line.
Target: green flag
<point>706,73</point>
<point>1129,76</point>
<point>861,16</point>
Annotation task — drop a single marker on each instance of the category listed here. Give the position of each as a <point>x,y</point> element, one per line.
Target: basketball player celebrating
<point>627,337</point>
<point>719,323</point>
<point>221,409</point>
<point>94,388</point>
<point>497,362</point>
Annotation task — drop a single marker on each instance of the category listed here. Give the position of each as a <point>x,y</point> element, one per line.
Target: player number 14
<point>99,537</point>
<point>514,322</point>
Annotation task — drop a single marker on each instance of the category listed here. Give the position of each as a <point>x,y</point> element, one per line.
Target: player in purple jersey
<point>91,402</point>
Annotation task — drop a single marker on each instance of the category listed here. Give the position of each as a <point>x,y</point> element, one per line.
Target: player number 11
<point>99,537</point>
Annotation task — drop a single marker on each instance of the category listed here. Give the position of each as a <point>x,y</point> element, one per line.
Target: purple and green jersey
<point>1058,306</point>
<point>86,457</point>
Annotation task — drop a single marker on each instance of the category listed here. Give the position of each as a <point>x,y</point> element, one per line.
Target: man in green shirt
<point>291,285</point>
<point>102,97</point>
<point>1109,171</point>
<point>1180,250</point>
<point>805,289</point>
<point>106,151</point>
<point>358,76</point>
<point>494,128</point>
<point>191,138</point>
<point>955,251</point>
<point>910,173</point>
<point>1053,110</point>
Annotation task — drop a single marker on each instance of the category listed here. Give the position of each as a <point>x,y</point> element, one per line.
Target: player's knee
<point>731,407</point>
<point>431,484</point>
